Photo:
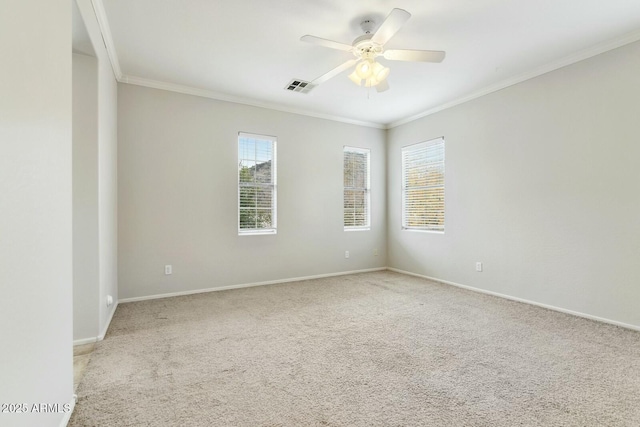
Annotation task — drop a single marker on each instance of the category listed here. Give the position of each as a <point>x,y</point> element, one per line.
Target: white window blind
<point>423,186</point>
<point>356,189</point>
<point>256,184</point>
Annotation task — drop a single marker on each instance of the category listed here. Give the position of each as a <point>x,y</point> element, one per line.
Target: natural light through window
<point>256,184</point>
<point>423,186</point>
<point>357,197</point>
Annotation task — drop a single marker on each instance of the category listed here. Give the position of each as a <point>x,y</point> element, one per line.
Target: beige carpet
<point>374,349</point>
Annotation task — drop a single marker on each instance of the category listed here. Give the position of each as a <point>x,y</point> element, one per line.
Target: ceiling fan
<point>368,47</point>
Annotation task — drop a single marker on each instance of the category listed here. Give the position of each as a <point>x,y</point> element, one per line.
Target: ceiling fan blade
<point>382,86</point>
<point>391,25</point>
<point>326,43</point>
<point>414,55</point>
<point>340,68</point>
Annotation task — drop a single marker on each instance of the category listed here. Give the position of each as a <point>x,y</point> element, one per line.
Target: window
<point>423,186</point>
<point>356,189</point>
<point>256,184</point>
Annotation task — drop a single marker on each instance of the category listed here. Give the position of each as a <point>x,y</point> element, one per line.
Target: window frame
<point>407,149</point>
<point>367,189</point>
<point>274,185</point>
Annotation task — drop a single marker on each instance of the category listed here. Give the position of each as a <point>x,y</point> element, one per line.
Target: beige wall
<point>107,179</point>
<point>85,198</point>
<point>108,189</point>
<point>177,177</point>
<point>35,209</point>
<point>542,186</point>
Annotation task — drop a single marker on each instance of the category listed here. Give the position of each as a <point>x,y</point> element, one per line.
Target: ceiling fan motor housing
<point>368,25</point>
<point>364,48</point>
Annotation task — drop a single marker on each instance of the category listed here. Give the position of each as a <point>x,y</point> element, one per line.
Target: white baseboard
<point>67,415</point>
<point>84,341</point>
<point>105,328</point>
<point>247,285</point>
<point>100,337</point>
<point>496,294</point>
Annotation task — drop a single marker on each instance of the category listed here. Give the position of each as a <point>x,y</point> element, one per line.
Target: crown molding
<point>189,90</point>
<point>103,23</point>
<point>552,66</point>
<point>140,81</point>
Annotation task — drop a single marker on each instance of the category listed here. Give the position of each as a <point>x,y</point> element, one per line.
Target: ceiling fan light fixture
<point>364,69</point>
<point>380,72</point>
<point>370,72</point>
<point>355,78</point>
<point>371,82</point>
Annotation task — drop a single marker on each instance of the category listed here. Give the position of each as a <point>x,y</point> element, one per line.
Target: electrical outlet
<point>109,300</point>
<point>168,269</point>
<point>478,266</point>
<point>375,252</point>
<point>346,254</point>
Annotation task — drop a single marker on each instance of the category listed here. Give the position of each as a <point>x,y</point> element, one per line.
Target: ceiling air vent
<point>297,85</point>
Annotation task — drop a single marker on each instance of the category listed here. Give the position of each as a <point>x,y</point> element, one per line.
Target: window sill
<point>256,232</point>
<point>423,231</point>
<point>357,229</point>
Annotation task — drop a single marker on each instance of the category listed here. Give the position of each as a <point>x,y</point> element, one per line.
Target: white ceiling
<point>248,50</point>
